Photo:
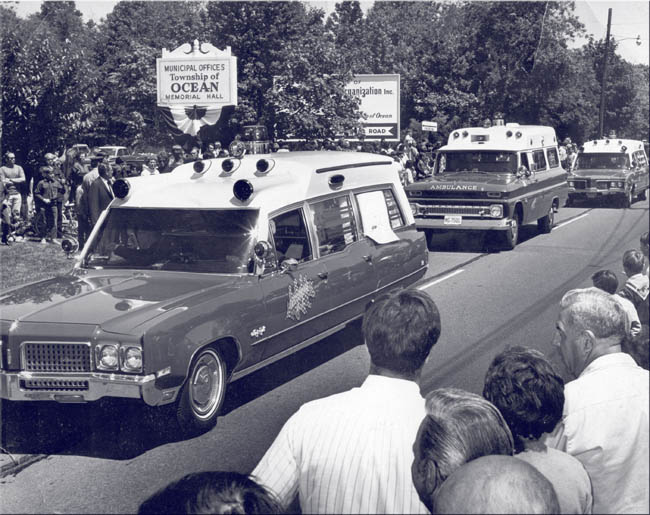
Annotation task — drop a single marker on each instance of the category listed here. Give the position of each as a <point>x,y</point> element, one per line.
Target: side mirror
<point>262,250</point>
<point>69,246</point>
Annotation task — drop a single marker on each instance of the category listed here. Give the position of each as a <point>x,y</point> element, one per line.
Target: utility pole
<point>601,114</point>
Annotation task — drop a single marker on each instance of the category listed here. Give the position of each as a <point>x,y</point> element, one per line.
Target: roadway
<point>111,461</point>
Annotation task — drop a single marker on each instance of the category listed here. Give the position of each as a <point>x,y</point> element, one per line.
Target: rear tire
<point>203,393</point>
<point>512,233</point>
<point>643,195</point>
<point>546,223</point>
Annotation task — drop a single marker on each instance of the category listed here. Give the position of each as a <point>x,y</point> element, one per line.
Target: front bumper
<point>467,224</point>
<point>595,192</point>
<point>85,387</point>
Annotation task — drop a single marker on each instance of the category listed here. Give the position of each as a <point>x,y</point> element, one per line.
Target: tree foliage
<point>65,81</point>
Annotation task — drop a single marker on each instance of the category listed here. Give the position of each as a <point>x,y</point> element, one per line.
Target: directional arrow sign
<point>378,130</point>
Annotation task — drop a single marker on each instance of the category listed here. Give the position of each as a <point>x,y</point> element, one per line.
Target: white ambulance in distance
<point>492,178</point>
<point>610,167</point>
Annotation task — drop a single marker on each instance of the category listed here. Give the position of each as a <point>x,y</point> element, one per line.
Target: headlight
<point>414,208</point>
<point>496,210</point>
<point>621,184</point>
<point>612,184</point>
<point>107,357</point>
<point>132,359</point>
<point>571,183</point>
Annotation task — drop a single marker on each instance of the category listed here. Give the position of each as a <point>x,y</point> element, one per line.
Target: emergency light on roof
<point>229,165</point>
<point>508,134</point>
<point>121,188</point>
<point>336,181</point>
<point>264,166</point>
<point>199,166</point>
<point>242,189</point>
<point>518,134</point>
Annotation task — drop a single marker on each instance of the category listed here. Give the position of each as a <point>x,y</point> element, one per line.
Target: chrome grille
<point>455,210</point>
<point>602,185</point>
<point>580,185</point>
<point>56,357</point>
<point>59,385</point>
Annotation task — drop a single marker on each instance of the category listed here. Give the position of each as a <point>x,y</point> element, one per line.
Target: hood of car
<point>593,172</point>
<point>118,302</point>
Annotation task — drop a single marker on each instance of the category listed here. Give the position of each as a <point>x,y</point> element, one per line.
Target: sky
<point>629,20</point>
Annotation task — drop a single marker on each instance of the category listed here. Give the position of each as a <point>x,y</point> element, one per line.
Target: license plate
<point>453,220</point>
<point>592,195</point>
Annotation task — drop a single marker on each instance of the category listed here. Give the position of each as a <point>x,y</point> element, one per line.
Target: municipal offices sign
<point>379,104</point>
<point>198,75</point>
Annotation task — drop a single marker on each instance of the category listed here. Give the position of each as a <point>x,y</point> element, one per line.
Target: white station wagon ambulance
<point>492,178</point>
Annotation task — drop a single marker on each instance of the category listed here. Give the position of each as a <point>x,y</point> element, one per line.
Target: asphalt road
<point>112,460</point>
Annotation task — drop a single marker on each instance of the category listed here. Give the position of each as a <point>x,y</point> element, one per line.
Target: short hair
<point>643,241</point>
<point>212,492</point>
<point>102,168</point>
<point>528,391</point>
<point>605,280</point>
<point>400,330</point>
<point>633,262</point>
<point>596,311</point>
<point>497,484</point>
<point>459,426</point>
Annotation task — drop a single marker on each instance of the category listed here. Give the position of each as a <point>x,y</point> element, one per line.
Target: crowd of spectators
<point>531,443</point>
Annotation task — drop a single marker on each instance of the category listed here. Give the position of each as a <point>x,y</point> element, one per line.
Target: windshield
<point>478,161</point>
<point>603,161</point>
<point>111,151</point>
<point>190,240</point>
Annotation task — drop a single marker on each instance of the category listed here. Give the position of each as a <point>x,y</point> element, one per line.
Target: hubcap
<point>514,229</point>
<point>206,385</point>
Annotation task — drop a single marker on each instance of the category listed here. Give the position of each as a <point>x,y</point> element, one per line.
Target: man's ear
<point>427,471</point>
<point>587,342</point>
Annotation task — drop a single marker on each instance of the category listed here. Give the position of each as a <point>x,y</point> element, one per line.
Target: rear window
<point>335,224</point>
<point>553,159</point>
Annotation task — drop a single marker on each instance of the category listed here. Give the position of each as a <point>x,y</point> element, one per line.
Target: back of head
<point>212,492</point>
<point>633,262</point>
<point>596,311</point>
<point>496,484</point>
<point>400,330</point>
<point>528,392</point>
<point>459,426</point>
<point>606,280</point>
<point>645,245</point>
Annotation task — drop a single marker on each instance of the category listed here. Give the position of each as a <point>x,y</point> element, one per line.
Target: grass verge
<point>28,261</point>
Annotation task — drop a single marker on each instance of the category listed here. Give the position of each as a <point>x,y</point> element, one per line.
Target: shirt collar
<point>391,385</point>
<point>609,360</point>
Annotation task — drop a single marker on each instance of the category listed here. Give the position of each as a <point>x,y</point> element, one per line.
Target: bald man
<point>496,484</point>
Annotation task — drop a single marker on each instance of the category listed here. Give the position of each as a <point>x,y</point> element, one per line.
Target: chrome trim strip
<point>339,307</point>
<point>291,350</point>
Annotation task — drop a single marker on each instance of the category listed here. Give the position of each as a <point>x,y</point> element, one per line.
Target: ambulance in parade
<point>610,167</point>
<point>492,178</point>
<point>196,278</point>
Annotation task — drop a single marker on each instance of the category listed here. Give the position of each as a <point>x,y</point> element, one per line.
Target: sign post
<point>379,97</point>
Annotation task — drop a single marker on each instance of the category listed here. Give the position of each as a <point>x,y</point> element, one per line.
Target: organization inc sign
<point>201,75</point>
<point>379,97</point>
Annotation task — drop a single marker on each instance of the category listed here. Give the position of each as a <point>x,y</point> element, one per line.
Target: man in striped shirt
<point>352,452</point>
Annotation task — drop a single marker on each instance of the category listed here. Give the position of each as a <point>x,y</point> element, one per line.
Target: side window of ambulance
<point>553,159</point>
<point>640,158</point>
<point>335,224</point>
<point>290,236</point>
<point>378,209</point>
<point>539,161</point>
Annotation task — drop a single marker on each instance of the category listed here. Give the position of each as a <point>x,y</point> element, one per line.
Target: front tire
<point>643,195</point>
<point>627,199</point>
<point>203,393</point>
<point>512,233</point>
<point>546,223</point>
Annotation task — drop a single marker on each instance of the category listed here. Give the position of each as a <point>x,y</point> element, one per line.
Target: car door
<point>396,254</point>
<point>349,260</point>
<point>294,286</point>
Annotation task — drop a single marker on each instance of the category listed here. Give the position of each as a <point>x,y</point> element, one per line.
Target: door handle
<point>323,275</point>
<point>368,258</point>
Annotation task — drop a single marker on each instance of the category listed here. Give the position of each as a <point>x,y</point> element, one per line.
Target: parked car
<point>112,151</point>
<point>492,179</point>
<point>610,167</point>
<point>196,278</point>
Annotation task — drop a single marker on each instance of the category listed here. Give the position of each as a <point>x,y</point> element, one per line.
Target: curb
<point>19,463</point>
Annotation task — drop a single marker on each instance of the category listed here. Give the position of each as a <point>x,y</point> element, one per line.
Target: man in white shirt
<point>352,452</point>
<point>605,418</point>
